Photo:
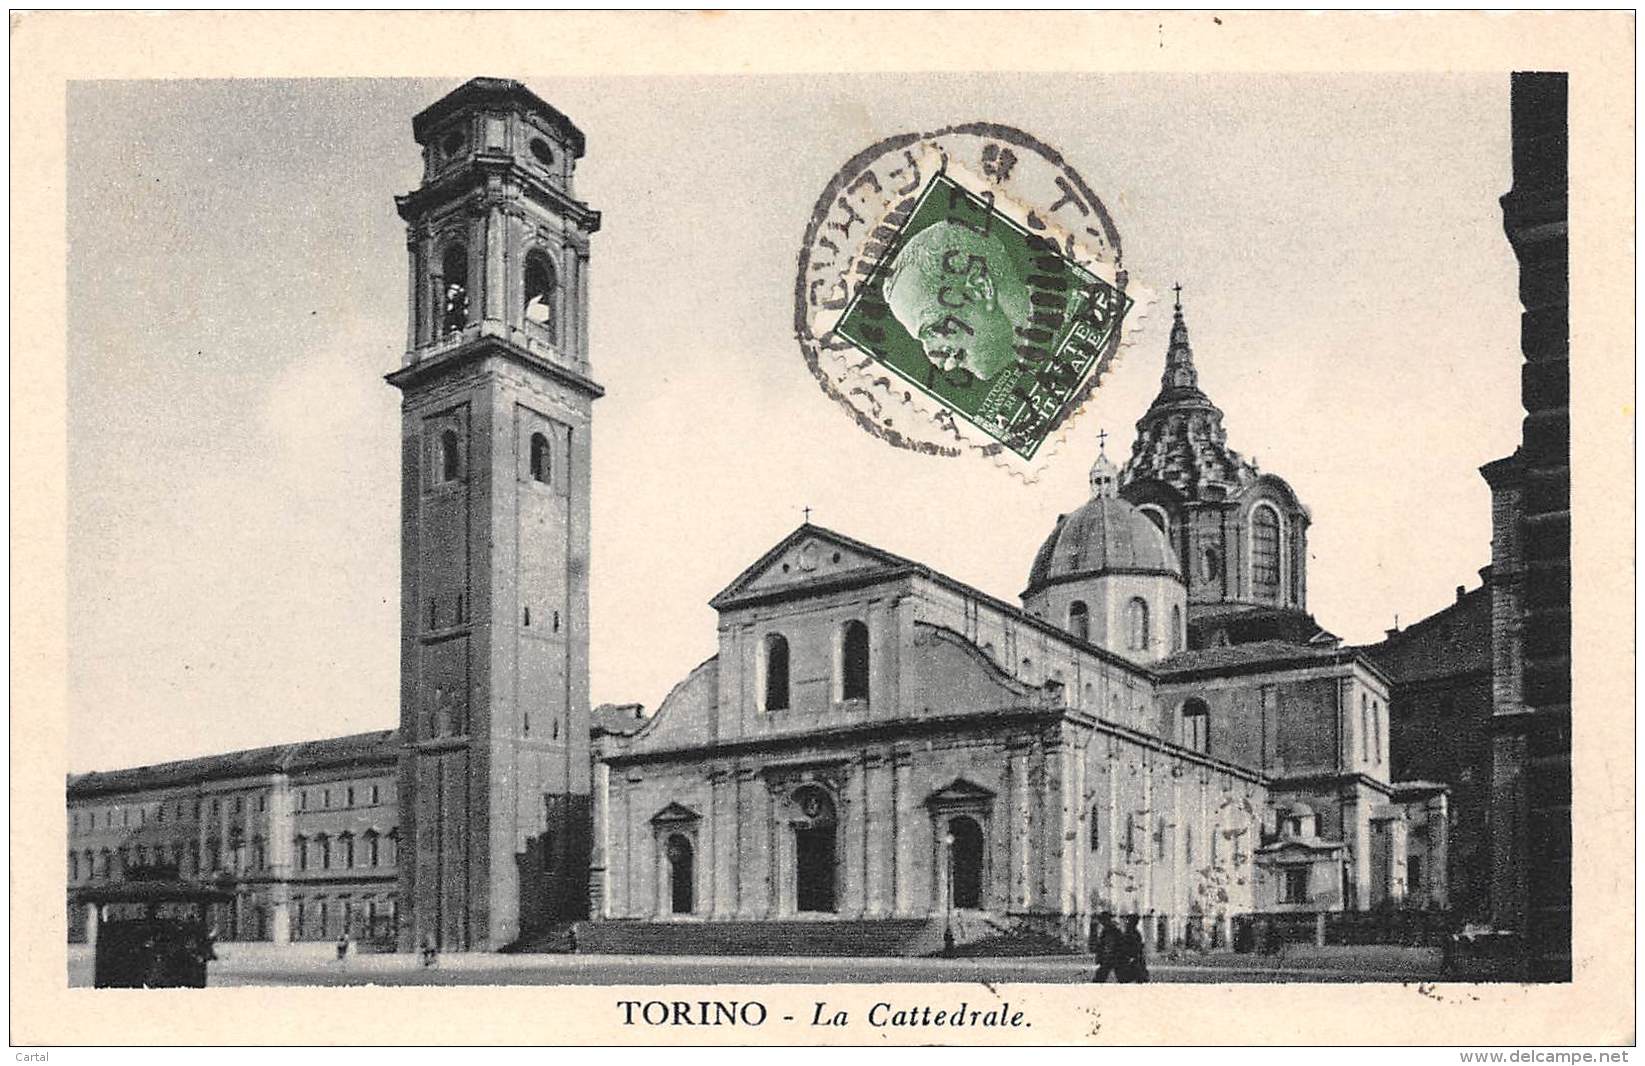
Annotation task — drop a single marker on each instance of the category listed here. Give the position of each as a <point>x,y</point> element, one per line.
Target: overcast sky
<point>237,288</point>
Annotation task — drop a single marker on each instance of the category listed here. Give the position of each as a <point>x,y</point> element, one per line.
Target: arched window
<point>259,853</point>
<point>105,861</point>
<point>542,460</point>
<point>1079,620</point>
<point>1196,725</point>
<point>1265,553</point>
<point>1136,623</point>
<point>347,841</point>
<point>325,851</point>
<point>454,289</point>
<point>1211,565</point>
<point>539,292</point>
<point>1178,637</point>
<point>854,661</point>
<point>372,854</point>
<point>302,852</point>
<point>776,672</point>
<point>1154,515</point>
<point>74,866</point>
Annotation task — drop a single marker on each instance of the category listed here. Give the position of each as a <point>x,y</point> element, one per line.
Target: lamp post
<point>948,918</point>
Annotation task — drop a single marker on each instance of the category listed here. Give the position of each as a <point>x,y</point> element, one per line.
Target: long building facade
<point>1158,727</point>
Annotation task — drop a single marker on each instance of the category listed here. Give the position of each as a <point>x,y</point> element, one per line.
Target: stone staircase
<point>843,937</point>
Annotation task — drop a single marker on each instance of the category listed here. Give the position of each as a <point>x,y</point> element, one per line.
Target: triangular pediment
<point>810,556</point>
<point>959,791</point>
<point>673,814</point>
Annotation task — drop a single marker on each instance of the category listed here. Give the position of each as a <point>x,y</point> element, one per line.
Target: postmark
<point>962,291</point>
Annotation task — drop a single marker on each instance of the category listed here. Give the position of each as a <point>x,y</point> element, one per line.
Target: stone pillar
<point>853,839</point>
<point>1056,875</point>
<point>722,792</point>
<point>1147,842</point>
<point>496,286</point>
<point>1017,824</point>
<point>93,921</point>
<point>880,819</point>
<point>279,916</point>
<point>902,812</point>
<point>599,880</point>
<point>753,846</point>
<point>412,303</point>
<point>1079,847</point>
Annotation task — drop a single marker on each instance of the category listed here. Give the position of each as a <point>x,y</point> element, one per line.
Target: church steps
<point>843,937</point>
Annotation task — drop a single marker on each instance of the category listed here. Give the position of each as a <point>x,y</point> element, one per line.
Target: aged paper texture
<point>833,281</point>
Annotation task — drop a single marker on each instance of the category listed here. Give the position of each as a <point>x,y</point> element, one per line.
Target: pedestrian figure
<point>429,952</point>
<point>1106,947</point>
<point>1131,966</point>
<point>342,946</point>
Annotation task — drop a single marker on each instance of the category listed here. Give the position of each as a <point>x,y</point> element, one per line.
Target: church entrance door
<point>681,875</point>
<point>967,859</point>
<point>814,868</point>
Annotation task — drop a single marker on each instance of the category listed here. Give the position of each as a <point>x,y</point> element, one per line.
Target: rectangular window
<point>302,800</point>
<point>160,814</point>
<point>239,804</point>
<point>1296,885</point>
<point>325,797</point>
<point>375,796</point>
<point>1413,873</point>
<point>351,797</point>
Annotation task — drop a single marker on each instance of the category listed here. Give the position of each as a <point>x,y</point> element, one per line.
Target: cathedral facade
<point>1159,727</point>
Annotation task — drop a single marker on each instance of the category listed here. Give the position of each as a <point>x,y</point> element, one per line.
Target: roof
<point>619,719</point>
<point>481,92</point>
<point>356,749</point>
<point>1104,535</point>
<point>1255,657</point>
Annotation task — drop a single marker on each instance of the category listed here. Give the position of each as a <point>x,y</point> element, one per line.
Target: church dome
<point>1105,535</point>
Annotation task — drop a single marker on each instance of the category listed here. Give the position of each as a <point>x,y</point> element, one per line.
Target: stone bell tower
<point>497,397</point>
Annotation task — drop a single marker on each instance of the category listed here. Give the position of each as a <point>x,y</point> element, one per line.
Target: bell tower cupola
<point>497,239</point>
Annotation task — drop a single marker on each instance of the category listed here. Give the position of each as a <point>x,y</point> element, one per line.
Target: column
<point>854,840</point>
<point>599,881</point>
<point>412,308</point>
<point>1079,847</point>
<point>1147,834</point>
<point>722,797</point>
<point>496,284</point>
<point>279,918</point>
<point>902,832</point>
<point>880,820</point>
<point>1018,822</point>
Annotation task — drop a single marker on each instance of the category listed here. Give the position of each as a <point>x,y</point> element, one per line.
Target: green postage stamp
<point>941,288</point>
<point>984,315</point>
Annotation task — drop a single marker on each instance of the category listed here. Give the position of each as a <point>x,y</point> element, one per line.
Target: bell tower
<point>496,406</point>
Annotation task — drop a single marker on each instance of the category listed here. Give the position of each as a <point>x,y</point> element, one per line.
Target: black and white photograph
<point>913,544</point>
